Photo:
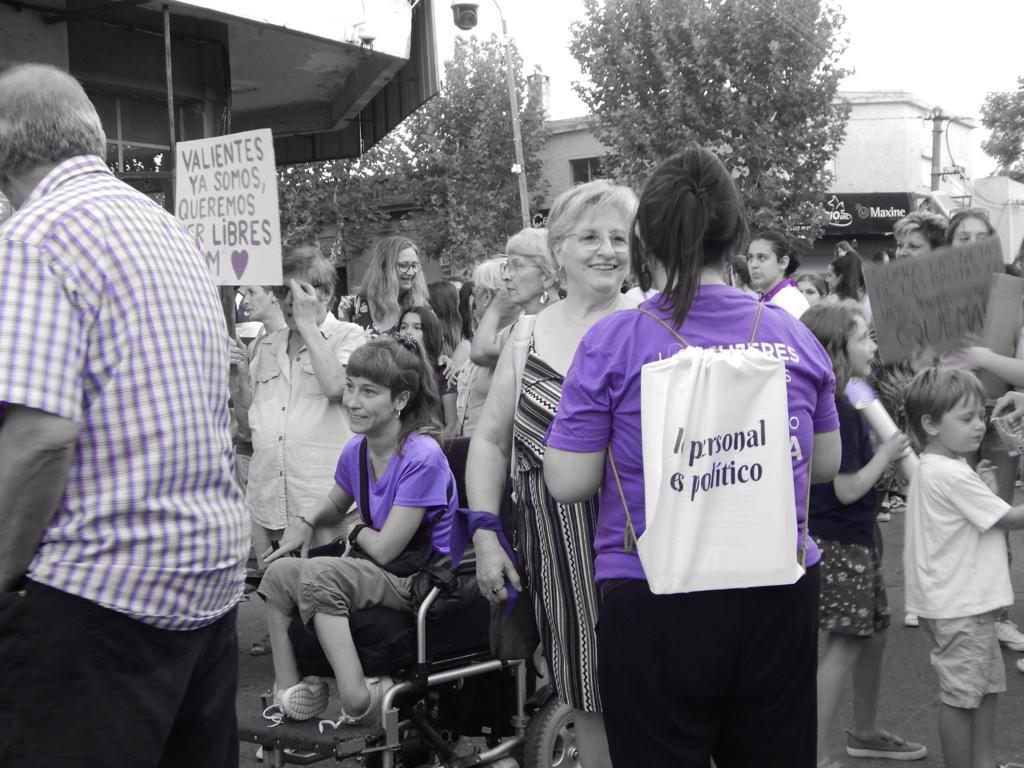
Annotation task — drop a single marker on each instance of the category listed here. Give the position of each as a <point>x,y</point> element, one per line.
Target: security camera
<point>366,34</point>
<point>464,14</point>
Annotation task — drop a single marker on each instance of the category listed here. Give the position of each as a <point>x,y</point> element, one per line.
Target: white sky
<point>947,52</point>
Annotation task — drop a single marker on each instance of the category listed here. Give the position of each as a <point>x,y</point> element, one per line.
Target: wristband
<point>311,526</point>
<point>354,534</point>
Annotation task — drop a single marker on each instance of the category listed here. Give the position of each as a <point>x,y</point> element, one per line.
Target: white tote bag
<point>718,477</point>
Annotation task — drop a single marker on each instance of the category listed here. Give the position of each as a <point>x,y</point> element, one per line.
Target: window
<point>137,130</point>
<point>586,169</point>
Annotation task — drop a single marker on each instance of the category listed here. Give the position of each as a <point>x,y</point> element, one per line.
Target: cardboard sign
<point>931,301</point>
<point>226,193</point>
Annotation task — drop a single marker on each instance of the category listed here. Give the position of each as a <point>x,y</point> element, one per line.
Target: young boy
<point>957,575</point>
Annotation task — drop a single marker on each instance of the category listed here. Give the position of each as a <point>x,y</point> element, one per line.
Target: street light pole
<point>517,135</point>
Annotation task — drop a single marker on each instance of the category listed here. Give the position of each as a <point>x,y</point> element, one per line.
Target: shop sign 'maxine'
<point>865,214</point>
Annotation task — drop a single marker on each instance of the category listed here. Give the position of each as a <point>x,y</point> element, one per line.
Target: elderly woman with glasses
<point>392,283</point>
<point>290,387</point>
<point>588,243</point>
<point>530,285</point>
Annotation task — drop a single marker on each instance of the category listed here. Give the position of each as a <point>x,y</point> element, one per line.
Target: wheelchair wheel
<point>551,738</point>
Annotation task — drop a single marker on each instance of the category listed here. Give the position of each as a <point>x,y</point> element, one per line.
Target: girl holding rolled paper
<point>853,608</point>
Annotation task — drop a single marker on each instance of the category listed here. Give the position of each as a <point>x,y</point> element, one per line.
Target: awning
<point>329,79</point>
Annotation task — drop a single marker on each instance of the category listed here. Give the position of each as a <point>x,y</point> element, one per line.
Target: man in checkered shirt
<point>123,534</point>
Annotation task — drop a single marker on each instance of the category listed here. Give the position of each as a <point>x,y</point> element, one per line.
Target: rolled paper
<point>864,398</point>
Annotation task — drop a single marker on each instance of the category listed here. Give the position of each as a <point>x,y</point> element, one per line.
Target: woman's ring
<point>495,590</point>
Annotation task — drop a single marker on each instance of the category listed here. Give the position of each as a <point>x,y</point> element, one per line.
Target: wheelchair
<point>448,687</point>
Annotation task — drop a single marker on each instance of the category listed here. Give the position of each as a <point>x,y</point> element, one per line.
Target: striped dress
<point>558,546</point>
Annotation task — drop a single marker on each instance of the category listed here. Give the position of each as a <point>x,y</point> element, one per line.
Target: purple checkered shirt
<point>109,317</point>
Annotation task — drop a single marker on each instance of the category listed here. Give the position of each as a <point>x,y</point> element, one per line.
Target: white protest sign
<point>226,193</point>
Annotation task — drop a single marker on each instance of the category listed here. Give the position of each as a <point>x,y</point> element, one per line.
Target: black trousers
<point>727,674</point>
<point>85,687</point>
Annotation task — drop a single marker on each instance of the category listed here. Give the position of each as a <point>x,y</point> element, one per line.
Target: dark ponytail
<point>402,366</point>
<point>690,217</point>
<point>850,271</point>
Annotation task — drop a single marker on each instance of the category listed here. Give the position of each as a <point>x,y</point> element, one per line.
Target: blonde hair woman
<point>531,285</point>
<point>588,243</point>
<point>392,283</point>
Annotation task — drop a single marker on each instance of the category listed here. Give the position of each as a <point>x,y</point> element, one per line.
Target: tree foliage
<point>1003,114</point>
<point>755,82</point>
<point>445,172</point>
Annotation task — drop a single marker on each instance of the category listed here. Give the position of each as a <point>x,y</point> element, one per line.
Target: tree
<point>449,163</point>
<point>472,123</point>
<point>753,81</point>
<point>1003,115</point>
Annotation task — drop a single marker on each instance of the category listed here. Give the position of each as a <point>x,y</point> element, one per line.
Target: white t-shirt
<point>639,295</point>
<point>954,559</point>
<point>791,300</point>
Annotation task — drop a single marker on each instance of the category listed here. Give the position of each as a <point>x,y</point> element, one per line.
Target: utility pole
<point>517,136</point>
<point>937,118</point>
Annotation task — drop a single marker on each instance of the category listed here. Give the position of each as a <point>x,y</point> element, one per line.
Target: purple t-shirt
<point>601,400</point>
<point>418,477</point>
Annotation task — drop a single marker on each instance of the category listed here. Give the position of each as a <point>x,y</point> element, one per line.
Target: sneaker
<point>884,516</point>
<point>886,746</point>
<point>306,699</point>
<point>377,686</point>
<point>896,502</point>
<point>911,620</point>
<point>1009,635</point>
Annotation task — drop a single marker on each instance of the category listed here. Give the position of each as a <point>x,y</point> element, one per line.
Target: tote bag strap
<point>364,485</point>
<point>807,515</point>
<point>664,325</point>
<point>629,536</point>
<point>757,321</point>
<point>674,332</point>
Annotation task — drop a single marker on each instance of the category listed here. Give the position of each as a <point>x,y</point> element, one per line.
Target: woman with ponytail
<point>727,674</point>
<point>391,402</point>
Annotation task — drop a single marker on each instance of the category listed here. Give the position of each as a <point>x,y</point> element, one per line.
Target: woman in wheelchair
<point>397,473</point>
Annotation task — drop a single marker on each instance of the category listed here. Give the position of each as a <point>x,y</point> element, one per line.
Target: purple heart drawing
<point>239,261</point>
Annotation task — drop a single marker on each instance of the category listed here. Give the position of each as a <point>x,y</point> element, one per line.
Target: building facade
<point>882,172</point>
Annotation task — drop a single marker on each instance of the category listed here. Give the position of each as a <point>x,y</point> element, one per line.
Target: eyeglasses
<point>590,241</point>
<point>408,268</point>
<point>509,268</point>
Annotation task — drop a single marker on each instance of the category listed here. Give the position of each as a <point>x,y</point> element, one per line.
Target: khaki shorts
<point>967,658</point>
<point>336,586</point>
